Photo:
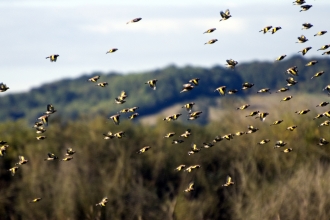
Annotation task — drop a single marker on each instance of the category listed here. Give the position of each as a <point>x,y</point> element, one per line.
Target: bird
<point>177,141</point>
<point>119,134</point>
<point>284,89</point>
<point>207,145</point>
<point>324,47</point>
<point>124,110</point>
<point>51,156</point>
<point>291,81</point>
<point>186,134</point>
<point>143,149</point>
<point>280,143</point>
<point>210,30</point>
<point>327,114</point>
<point>35,200</point>
<point>232,91</point>
<point>264,90</point>
<point>323,141</point>
<point>111,50</point>
<point>287,150</point>
<point>67,158</point>
<point>312,63</point>
<point>103,202</point>
<point>302,39</point>
<point>221,90</point>
<point>190,187</point>
<point>108,135</point>
<point>94,79</point>
<point>212,41</point>
<point>102,84</point>
<point>228,181</point>
<point>265,141</point>
<point>323,104</point>
<point>21,161</point>
<point>194,149</point>
<point>326,53</point>
<point>186,87</point>
<point>133,109</point>
<point>252,129</point>
<point>243,107</point>
<point>275,29</point>
<point>305,50</point>
<point>134,20</point>
<point>262,115</point>
<point>3,87</point>
<point>69,152</point>
<point>325,123</point>
<point>3,142</point>
<point>252,113</point>
<point>287,98</point>
<point>293,71</point>
<point>40,130</point>
<point>228,137</point>
<point>188,106</point>
<point>292,128</point>
<point>305,7</point>
<point>115,119</point>
<point>280,57</point>
<point>172,117</point>
<point>247,85</point>
<point>190,168</point>
<point>53,57</point>
<point>41,137</point>
<point>180,167</point>
<point>277,122</point>
<point>302,112</point>
<point>168,135</point>
<point>196,113</point>
<point>318,116</point>
<point>320,73</point>
<point>239,133</point>
<point>307,25</point>
<point>3,150</point>
<point>217,139</point>
<point>152,83</point>
<point>266,29</point>
<point>299,2</point>
<point>133,116</point>
<point>231,63</point>
<point>194,81</point>
<point>50,109</point>
<point>320,33</point>
<point>44,119</point>
<point>225,15</point>
<point>13,170</point>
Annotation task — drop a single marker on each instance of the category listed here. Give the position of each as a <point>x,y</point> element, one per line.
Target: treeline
<point>78,97</point>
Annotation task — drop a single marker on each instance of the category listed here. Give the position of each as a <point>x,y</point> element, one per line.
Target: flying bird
<point>287,150</point>
<point>277,122</point>
<point>51,156</point>
<point>292,71</point>
<point>243,107</point>
<point>320,73</point>
<point>323,104</point>
<point>280,57</point>
<point>265,141</point>
<point>186,87</point>
<point>287,98</point>
<point>189,106</point>
<point>299,2</point>
<point>53,57</point>
<point>307,25</point>
<point>69,152</point>
<point>302,39</point>
<point>194,81</point>
<point>305,7</point>
<point>275,29</point>
<point>13,170</point>
<point>302,112</point>
<point>103,202</point>
<point>190,187</point>
<point>180,167</point>
<point>323,141</point>
<point>94,79</point>
<point>168,135</point>
<point>228,181</point>
<point>284,89</point>
<point>67,158</point>
<point>324,47</point>
<point>320,33</point>
<point>221,90</point>
<point>21,161</point>
<point>247,85</point>
<point>326,53</point>
<point>266,29</point>
<point>102,84</point>
<point>212,41</point>
<point>291,128</point>
<point>312,63</point>
<point>264,90</point>
<point>144,149</point>
<point>231,63</point>
<point>152,83</point>
<point>225,15</point>
<point>210,30</point>
<point>305,50</point>
<point>134,20</point>
<point>115,118</point>
<point>3,87</point>
<point>35,200</point>
<point>186,134</point>
<point>111,50</point>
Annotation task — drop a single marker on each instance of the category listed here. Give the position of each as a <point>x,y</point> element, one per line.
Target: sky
<point>170,32</point>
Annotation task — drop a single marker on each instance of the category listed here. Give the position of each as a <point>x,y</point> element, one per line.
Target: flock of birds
<point>42,121</point>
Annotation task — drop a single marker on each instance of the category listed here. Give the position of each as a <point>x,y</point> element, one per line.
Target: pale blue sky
<point>170,32</point>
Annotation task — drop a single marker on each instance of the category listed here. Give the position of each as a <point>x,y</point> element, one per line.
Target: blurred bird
<point>252,113</point>
<point>280,57</point>
<point>207,145</point>
<point>302,112</point>
<point>41,138</point>
<point>291,81</point>
<point>51,156</point>
<point>190,187</point>
<point>279,143</point>
<point>228,181</point>
<point>194,81</point>
<point>69,152</point>
<point>326,53</point>
<point>282,89</point>
<point>307,25</point>
<point>323,104</point>
<point>262,115</point>
<point>194,149</point>
<point>286,98</point>
<point>299,2</point>
<point>134,20</point>
<point>44,119</point>
<point>3,87</point>
<point>180,167</point>
<point>265,141</point>
<point>302,39</point>
<point>225,15</point>
<point>38,124</point>
<point>243,107</point>
<point>172,117</point>
<point>318,74</point>
<point>111,50</point>
<point>50,109</point>
<point>3,142</point>
<point>190,168</point>
<point>305,50</point>
<point>305,7</point>
<point>177,141</point>
<point>133,109</point>
<point>252,129</point>
<point>115,119</point>
<point>287,150</point>
<point>323,141</point>
<point>103,84</point>
<point>318,116</point>
<point>275,29</point>
<point>152,83</point>
<point>35,200</point>
<point>53,57</point>
<point>40,130</point>
<point>327,114</point>
<point>277,122</point>
<point>325,123</point>
<point>3,150</point>
<point>232,91</point>
<point>217,139</point>
<point>103,202</point>
<point>320,33</point>
<point>231,63</point>
<point>168,135</point>
<point>324,47</point>
<point>264,90</point>
<point>124,110</point>
<point>189,106</point>
<point>123,95</point>
<point>67,158</point>
<point>228,137</point>
<point>133,116</point>
<point>108,135</point>
<point>196,113</point>
<point>312,63</point>
<point>212,41</point>
<point>186,134</point>
<point>13,170</point>
<point>21,161</point>
<point>94,79</point>
<point>186,87</point>
<point>247,85</point>
<point>239,133</point>
<point>293,71</point>
<point>266,29</point>
<point>144,149</point>
<point>221,90</point>
<point>210,30</point>
<point>291,128</point>
<point>119,134</point>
